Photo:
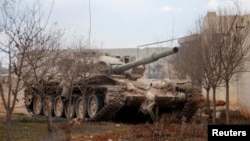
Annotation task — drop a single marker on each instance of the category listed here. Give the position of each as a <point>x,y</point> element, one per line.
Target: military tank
<point>117,89</point>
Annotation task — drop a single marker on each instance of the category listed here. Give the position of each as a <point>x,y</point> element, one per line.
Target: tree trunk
<point>227,102</point>
<point>8,125</point>
<point>214,105</point>
<point>208,101</point>
<point>49,121</point>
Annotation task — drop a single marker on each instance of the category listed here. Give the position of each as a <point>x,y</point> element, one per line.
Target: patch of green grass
<point>2,130</point>
<point>23,117</point>
<point>25,131</point>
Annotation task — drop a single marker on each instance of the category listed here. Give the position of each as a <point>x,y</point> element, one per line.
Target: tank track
<point>189,109</point>
<point>116,102</point>
<point>28,99</point>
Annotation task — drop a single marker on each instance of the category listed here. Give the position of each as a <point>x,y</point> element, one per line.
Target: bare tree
<point>79,59</point>
<point>75,66</point>
<point>200,62</point>
<point>40,66</point>
<point>203,67</point>
<point>25,41</point>
<point>226,43</point>
<point>188,62</point>
<point>212,67</point>
<point>233,52</point>
<point>223,52</point>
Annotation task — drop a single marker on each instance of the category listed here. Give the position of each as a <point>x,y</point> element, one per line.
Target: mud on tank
<point>116,91</point>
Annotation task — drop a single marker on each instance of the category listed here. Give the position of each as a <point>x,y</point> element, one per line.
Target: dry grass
<point>164,129</point>
<point>167,129</point>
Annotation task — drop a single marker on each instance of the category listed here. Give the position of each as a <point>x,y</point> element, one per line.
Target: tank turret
<point>154,57</point>
<point>134,69</point>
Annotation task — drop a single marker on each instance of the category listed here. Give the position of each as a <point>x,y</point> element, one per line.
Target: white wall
<point>244,93</point>
<point>221,94</point>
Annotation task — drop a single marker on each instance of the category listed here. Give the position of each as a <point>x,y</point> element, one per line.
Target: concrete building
<point>239,92</point>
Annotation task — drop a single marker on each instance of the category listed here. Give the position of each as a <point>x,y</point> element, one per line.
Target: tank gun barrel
<point>146,60</point>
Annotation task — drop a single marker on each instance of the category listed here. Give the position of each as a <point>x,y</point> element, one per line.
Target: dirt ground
<point>19,106</point>
<point>35,129</point>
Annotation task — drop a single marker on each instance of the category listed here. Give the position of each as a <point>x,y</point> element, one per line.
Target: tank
<point>114,91</point>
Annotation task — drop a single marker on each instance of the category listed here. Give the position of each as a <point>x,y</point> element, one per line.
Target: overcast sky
<point>129,23</point>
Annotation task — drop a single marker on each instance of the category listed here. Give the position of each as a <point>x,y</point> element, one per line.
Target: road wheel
<point>69,109</point>
<point>94,105</point>
<point>58,107</point>
<point>37,105</point>
<point>80,108</point>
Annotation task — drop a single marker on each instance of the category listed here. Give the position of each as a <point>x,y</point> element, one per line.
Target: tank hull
<point>106,102</point>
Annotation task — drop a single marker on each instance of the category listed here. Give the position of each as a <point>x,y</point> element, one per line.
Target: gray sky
<point>129,23</point>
